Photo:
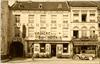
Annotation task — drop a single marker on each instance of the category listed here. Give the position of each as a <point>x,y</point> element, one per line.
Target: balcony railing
<point>86,38</point>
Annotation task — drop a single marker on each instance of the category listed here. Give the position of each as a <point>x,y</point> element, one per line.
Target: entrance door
<point>53,50</point>
<point>16,49</point>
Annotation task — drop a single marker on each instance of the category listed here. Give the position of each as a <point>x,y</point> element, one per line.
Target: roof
<point>44,6</point>
<point>82,4</point>
<point>53,6</point>
<point>97,3</point>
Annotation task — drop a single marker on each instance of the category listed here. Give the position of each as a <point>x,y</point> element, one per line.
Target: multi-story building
<point>54,28</point>
<point>84,27</point>
<point>47,27</point>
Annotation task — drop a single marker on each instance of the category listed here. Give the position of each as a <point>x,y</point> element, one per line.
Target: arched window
<point>92,31</point>
<point>84,31</point>
<point>75,32</point>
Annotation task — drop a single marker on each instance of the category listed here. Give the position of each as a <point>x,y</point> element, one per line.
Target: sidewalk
<point>54,59</point>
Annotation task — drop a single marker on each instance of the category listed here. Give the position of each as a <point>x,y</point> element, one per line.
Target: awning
<point>85,42</point>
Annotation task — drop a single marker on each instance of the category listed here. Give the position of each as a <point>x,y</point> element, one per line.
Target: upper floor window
<point>17,18</point>
<point>17,31</point>
<point>92,20</point>
<point>84,32</point>
<point>42,27</point>
<point>92,14</point>
<point>99,25</point>
<point>65,17</point>
<point>84,17</point>
<point>53,17</point>
<point>42,18</point>
<point>31,18</point>
<point>53,21</point>
<point>65,21</point>
<point>31,31</point>
<point>65,34</point>
<point>75,14</point>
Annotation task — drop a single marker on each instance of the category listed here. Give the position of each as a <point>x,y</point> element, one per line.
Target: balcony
<point>90,38</point>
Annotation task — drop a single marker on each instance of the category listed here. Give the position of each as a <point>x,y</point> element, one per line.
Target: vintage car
<point>88,55</point>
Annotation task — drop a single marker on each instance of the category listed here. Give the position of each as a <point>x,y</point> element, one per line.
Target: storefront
<point>45,48</point>
<point>85,47</point>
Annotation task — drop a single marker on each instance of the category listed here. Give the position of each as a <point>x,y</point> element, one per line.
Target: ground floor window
<point>65,48</point>
<point>89,49</point>
<point>42,47</point>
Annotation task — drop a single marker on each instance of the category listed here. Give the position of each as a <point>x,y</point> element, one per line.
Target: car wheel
<point>76,57</point>
<point>90,58</point>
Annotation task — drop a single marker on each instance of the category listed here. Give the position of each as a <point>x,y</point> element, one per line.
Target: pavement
<point>53,60</point>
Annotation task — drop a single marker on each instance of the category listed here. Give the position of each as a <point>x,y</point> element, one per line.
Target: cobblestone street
<point>51,61</point>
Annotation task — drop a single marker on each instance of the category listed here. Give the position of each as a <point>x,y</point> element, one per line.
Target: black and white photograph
<point>50,32</point>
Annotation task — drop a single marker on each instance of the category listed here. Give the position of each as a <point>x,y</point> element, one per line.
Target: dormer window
<point>59,5</point>
<point>21,6</point>
<point>40,6</point>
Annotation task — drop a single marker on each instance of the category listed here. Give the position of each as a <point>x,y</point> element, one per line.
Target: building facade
<point>84,28</point>
<point>48,29</point>
<point>7,30</point>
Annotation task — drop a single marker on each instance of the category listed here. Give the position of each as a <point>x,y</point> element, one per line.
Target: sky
<point>12,1</point>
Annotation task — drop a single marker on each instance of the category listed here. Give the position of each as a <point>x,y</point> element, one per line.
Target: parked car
<point>85,56</point>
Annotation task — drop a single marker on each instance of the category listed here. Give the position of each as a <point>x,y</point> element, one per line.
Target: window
<point>75,14</point>
<point>65,48</point>
<point>75,33</point>
<point>84,17</point>
<point>53,21</point>
<point>17,18</point>
<point>92,33</point>
<point>92,20</point>
<point>31,31</point>
<point>42,19</point>
<point>65,21</point>
<point>76,20</point>
<point>31,18</point>
<point>42,47</point>
<point>92,14</point>
<point>84,32</point>
<point>53,17</point>
<point>99,34</point>
<point>99,25</point>
<point>53,27</point>
<point>65,17</point>
<point>42,27</point>
<point>88,49</point>
<point>65,34</point>
<point>17,31</point>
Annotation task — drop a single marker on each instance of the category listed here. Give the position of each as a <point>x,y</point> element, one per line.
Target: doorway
<point>53,50</point>
<point>16,49</point>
